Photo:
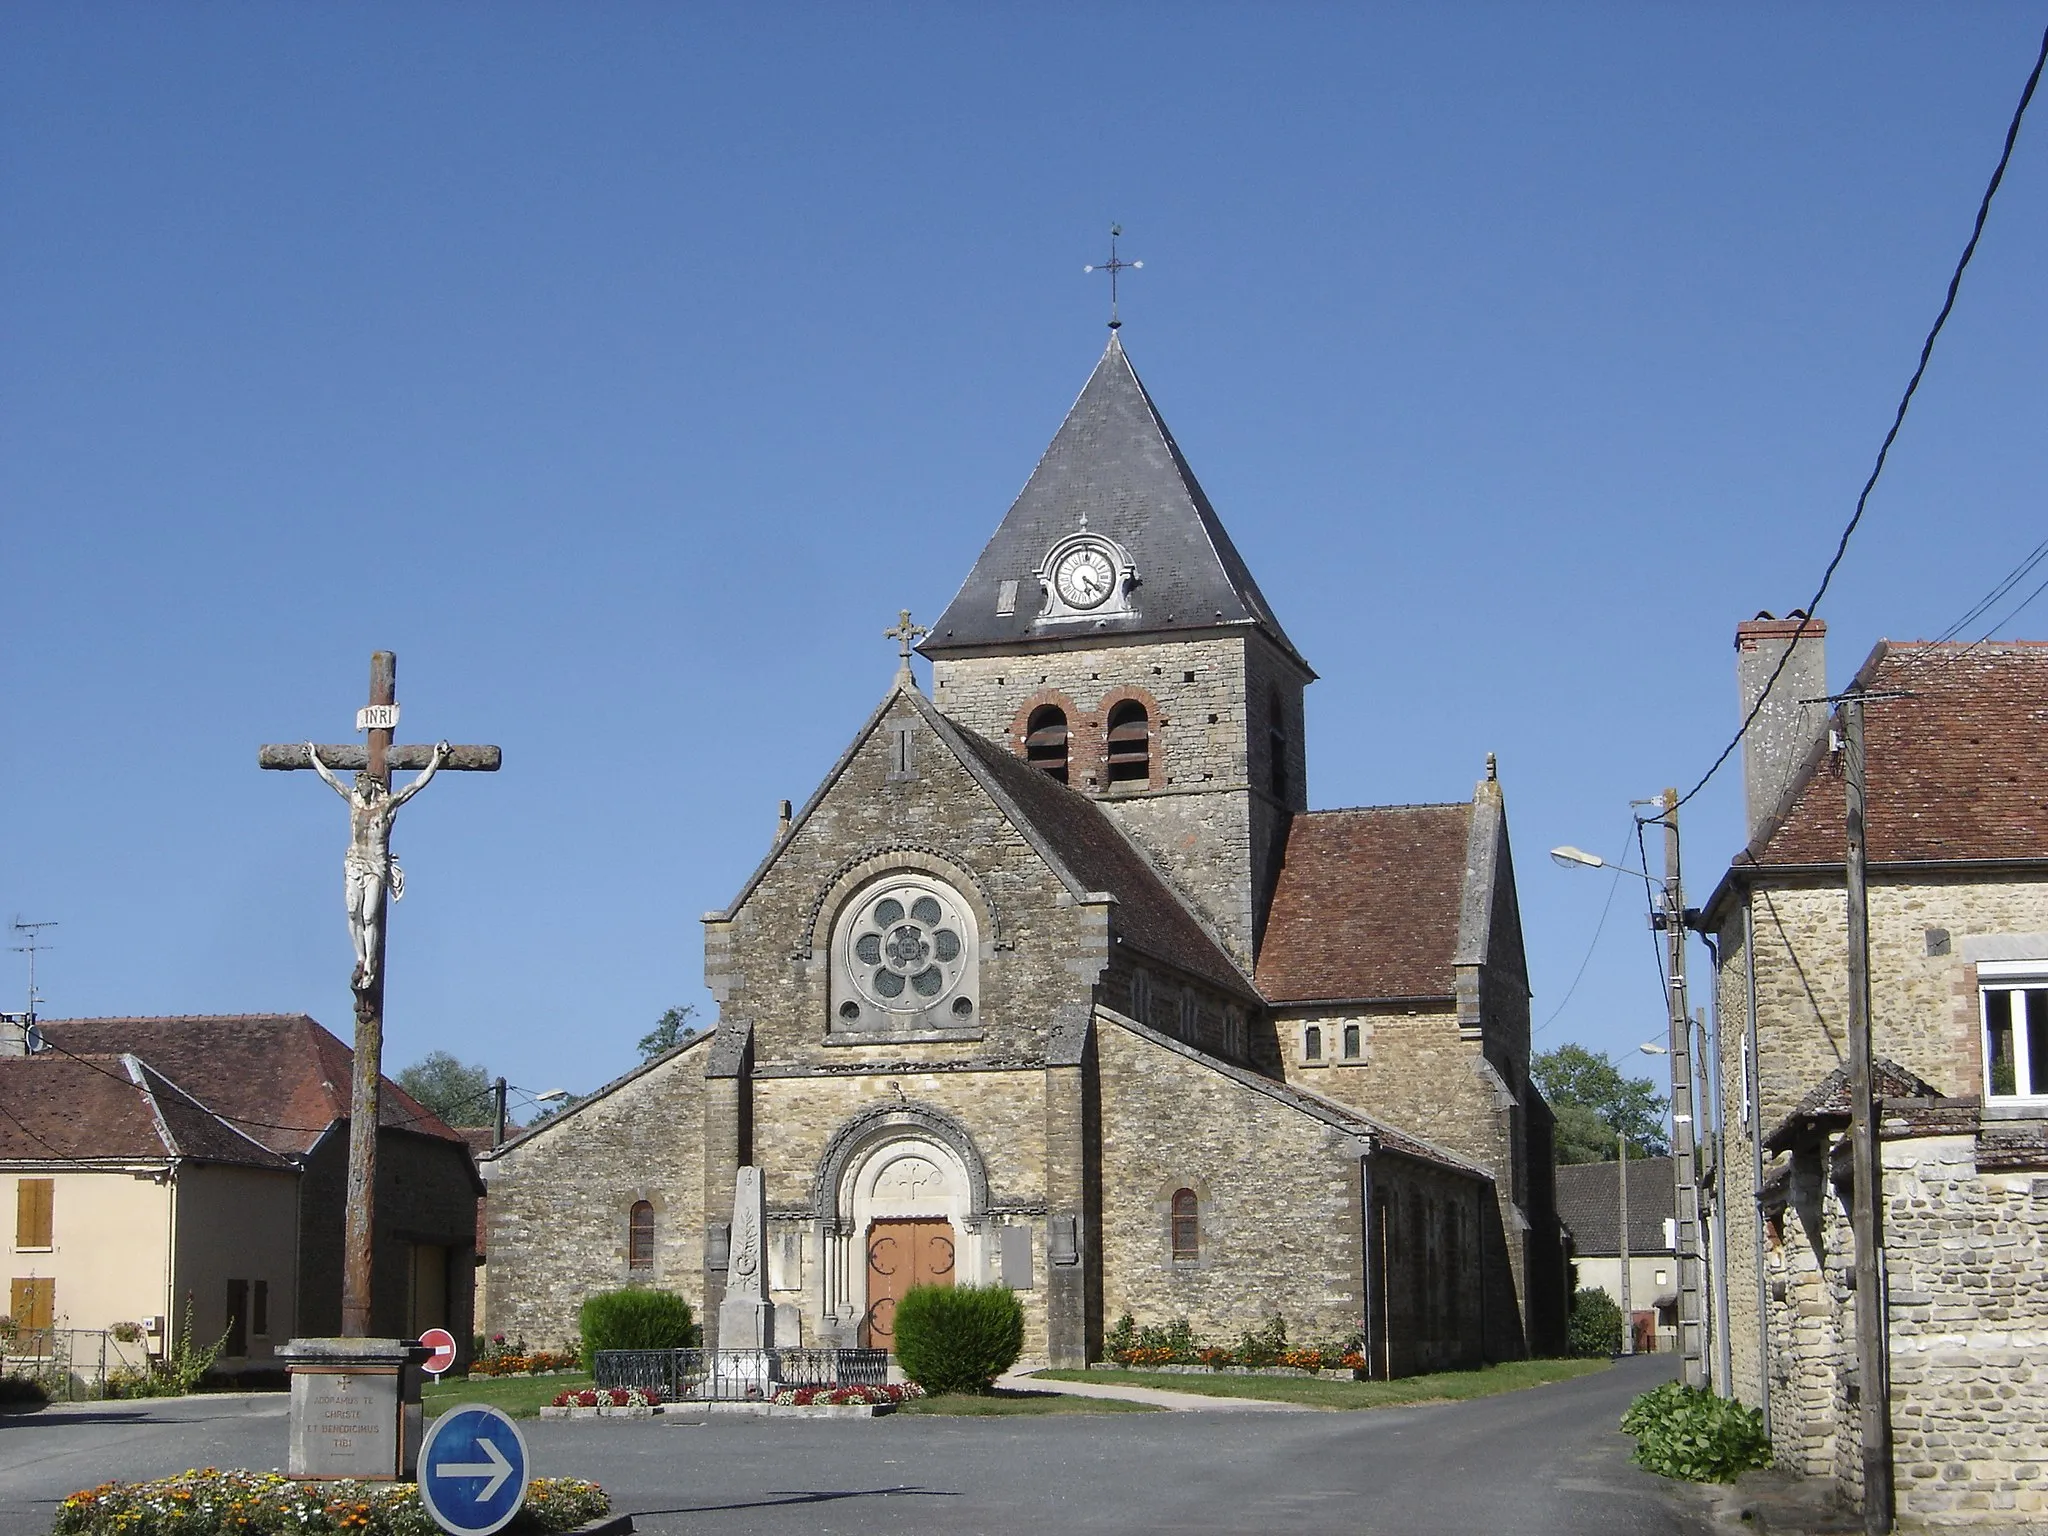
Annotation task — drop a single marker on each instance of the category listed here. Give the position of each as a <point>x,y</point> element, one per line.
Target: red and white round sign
<point>442,1343</point>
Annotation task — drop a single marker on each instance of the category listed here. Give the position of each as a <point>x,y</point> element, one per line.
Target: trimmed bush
<point>635,1319</point>
<point>22,1392</point>
<point>1595,1328</point>
<point>1689,1433</point>
<point>958,1338</point>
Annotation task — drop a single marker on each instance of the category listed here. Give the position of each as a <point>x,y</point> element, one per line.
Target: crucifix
<point>1113,266</point>
<point>905,634</point>
<point>372,878</point>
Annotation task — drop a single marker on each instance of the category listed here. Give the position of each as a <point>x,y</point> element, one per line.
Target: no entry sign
<point>442,1343</point>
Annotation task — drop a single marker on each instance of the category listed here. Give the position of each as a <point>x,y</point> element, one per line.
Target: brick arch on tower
<point>1078,733</point>
<point>1098,742</point>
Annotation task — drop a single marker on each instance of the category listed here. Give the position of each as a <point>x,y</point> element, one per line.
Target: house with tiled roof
<point>1056,981</point>
<point>1957,836</point>
<point>267,1097</point>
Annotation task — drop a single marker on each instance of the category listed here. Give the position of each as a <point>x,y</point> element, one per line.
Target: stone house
<point>281,1082</point>
<point>1589,1204</point>
<point>1026,993</point>
<point>1957,830</point>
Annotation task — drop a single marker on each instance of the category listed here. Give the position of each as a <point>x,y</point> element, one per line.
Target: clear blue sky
<point>625,368</point>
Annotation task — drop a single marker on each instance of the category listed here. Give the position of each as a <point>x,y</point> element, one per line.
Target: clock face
<point>1085,578</point>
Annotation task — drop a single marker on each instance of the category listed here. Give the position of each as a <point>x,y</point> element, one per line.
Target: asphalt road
<point>1545,1460</point>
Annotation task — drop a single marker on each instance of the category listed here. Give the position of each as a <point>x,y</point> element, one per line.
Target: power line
<point>1591,945</point>
<point>1948,304</point>
<point>2011,579</point>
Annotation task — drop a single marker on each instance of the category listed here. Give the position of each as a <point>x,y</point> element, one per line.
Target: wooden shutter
<point>34,1305</point>
<point>238,1319</point>
<point>33,1204</point>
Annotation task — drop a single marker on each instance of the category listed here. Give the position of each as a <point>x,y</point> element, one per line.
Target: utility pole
<point>498,1092</point>
<point>1684,1169</point>
<point>1873,1365</point>
<point>1628,1315</point>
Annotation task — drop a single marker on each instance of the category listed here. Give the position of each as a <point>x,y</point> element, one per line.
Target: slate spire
<point>1113,470</point>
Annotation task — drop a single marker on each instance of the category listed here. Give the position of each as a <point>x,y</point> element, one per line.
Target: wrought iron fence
<point>738,1375</point>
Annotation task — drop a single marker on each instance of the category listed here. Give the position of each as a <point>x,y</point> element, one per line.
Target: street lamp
<point>1671,916</point>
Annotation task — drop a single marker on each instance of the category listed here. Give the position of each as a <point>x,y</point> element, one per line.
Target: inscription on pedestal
<point>352,1413</point>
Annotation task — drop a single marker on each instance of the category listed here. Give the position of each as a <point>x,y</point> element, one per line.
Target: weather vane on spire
<point>1113,266</point>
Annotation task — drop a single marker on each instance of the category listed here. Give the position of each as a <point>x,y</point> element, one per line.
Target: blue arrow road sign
<point>473,1470</point>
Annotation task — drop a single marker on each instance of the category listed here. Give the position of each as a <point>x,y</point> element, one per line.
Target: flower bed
<point>216,1503</point>
<point>609,1397</point>
<point>846,1397</point>
<point>539,1363</point>
<point>1261,1350</point>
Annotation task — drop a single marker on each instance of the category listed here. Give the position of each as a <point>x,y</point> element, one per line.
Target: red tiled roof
<point>1367,905</point>
<point>1956,770</point>
<point>111,1108</point>
<point>280,1077</point>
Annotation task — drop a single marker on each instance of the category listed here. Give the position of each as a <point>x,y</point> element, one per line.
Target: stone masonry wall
<point>1278,1191</point>
<point>1420,1072</point>
<point>559,1199</point>
<point>1924,1015</point>
<point>1208,816</point>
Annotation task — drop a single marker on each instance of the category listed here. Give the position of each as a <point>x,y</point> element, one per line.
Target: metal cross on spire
<point>1113,266</point>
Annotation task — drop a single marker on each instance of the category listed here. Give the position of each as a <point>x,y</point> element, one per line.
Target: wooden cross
<point>370,887</point>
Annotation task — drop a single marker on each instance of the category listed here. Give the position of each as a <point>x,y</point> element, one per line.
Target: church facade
<point>1056,982</point>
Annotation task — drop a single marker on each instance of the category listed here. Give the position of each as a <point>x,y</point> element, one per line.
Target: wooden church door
<point>902,1252</point>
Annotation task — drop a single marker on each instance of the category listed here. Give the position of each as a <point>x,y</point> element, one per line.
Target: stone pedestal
<point>355,1408</point>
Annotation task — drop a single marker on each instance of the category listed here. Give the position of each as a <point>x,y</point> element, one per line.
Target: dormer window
<point>1130,743</point>
<point>1045,741</point>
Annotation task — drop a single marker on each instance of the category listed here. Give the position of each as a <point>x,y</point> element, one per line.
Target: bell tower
<point>1111,635</point>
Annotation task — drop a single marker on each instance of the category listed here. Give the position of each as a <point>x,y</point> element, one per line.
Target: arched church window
<point>1187,1227</point>
<point>905,954</point>
<point>1276,744</point>
<point>1312,1043</point>
<point>1130,743</point>
<point>640,1236</point>
<point>1045,741</point>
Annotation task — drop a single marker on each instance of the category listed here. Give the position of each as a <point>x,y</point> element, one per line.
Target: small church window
<point>1351,1042</point>
<point>1187,1227</point>
<point>1130,743</point>
<point>1045,741</point>
<point>640,1236</point>
<point>1312,1043</point>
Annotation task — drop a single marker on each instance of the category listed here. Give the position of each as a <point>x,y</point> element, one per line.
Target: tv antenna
<point>32,948</point>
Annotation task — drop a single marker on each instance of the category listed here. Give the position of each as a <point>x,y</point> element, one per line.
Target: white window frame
<point>2012,976</point>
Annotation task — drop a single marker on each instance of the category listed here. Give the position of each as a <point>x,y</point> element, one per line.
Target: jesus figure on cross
<point>368,867</point>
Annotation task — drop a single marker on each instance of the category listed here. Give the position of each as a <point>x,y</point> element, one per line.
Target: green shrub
<point>214,1503</point>
<point>1595,1328</point>
<point>1689,1433</point>
<point>22,1392</point>
<point>958,1338</point>
<point>635,1319</point>
<point>177,1373</point>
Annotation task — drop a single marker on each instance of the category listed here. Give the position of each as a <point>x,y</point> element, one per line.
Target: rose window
<point>906,946</point>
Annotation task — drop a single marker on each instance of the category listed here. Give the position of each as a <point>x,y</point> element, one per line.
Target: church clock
<point>1085,577</point>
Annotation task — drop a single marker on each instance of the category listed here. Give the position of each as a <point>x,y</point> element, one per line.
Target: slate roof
<point>1367,905</point>
<point>1114,462</point>
<point>280,1077</point>
<point>1589,1202</point>
<point>115,1109</point>
<point>1098,857</point>
<point>1957,770</point>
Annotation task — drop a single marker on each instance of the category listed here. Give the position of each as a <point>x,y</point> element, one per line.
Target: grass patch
<point>522,1397</point>
<point>1005,1400</point>
<point>1443,1387</point>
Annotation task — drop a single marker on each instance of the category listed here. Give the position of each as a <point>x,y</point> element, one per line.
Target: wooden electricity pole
<point>1873,1364</point>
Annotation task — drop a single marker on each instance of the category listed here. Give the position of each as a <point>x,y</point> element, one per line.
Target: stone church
<point>1056,981</point>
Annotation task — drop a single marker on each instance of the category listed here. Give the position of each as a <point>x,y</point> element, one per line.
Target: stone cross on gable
<point>372,879</point>
<point>905,634</point>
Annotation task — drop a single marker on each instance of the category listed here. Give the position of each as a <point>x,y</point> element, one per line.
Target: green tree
<point>460,1094</point>
<point>1593,1100</point>
<point>669,1031</point>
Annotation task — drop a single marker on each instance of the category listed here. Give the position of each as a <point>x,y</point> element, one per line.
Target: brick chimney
<point>1786,727</point>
